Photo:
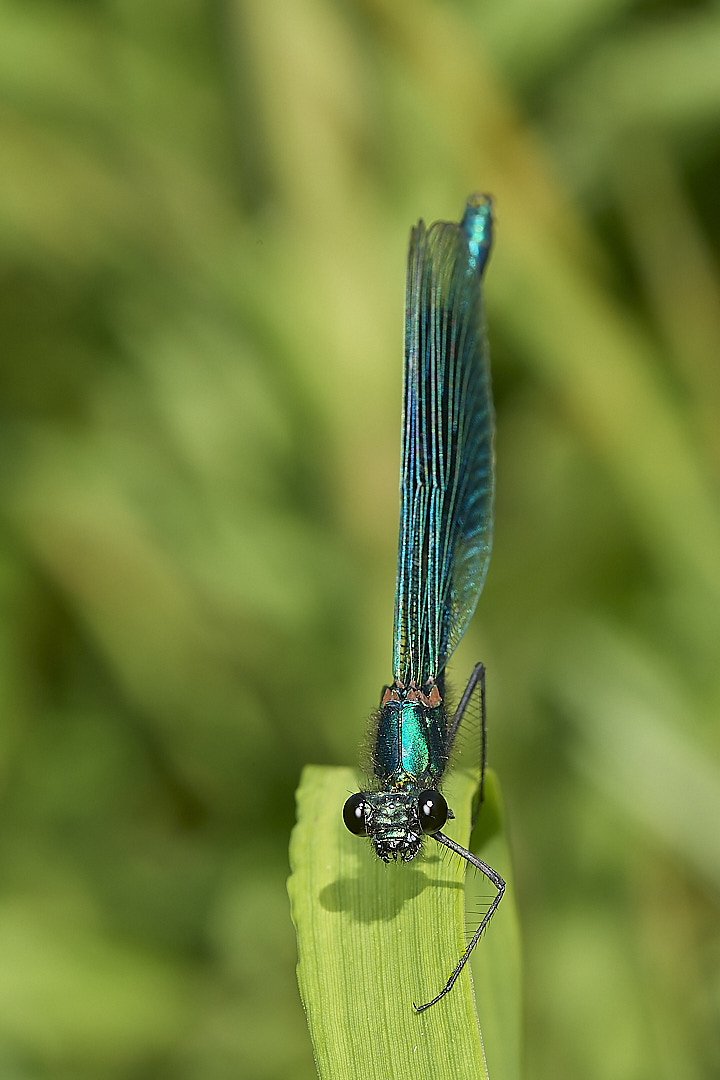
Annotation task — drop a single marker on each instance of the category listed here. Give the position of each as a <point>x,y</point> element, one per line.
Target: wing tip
<point>477,224</point>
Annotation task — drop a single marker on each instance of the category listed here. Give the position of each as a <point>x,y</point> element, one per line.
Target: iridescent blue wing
<point>446,478</point>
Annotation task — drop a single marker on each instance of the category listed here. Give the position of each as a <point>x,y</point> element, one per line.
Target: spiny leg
<point>499,884</point>
<point>477,677</point>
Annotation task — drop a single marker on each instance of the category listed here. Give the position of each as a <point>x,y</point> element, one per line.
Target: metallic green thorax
<point>410,751</point>
<point>409,757</point>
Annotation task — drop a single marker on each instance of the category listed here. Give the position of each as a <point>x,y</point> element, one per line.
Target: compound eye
<point>433,811</point>
<point>354,815</point>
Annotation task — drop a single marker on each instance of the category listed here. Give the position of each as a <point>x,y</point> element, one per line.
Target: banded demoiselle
<point>446,499</point>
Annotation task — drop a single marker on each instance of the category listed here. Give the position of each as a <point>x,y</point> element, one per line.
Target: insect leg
<point>499,884</point>
<point>477,678</point>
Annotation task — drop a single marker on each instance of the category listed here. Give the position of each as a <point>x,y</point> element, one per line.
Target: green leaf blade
<point>497,959</point>
<point>374,938</point>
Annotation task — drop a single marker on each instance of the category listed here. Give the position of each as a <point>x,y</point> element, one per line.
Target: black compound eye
<point>354,814</point>
<point>433,811</point>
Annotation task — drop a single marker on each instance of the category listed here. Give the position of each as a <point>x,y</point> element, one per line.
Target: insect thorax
<point>410,752</point>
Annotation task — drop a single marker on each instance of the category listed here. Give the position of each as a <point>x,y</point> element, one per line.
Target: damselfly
<point>446,496</point>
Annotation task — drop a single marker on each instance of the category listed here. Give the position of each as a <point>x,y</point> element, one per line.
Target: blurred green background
<point>204,213</point>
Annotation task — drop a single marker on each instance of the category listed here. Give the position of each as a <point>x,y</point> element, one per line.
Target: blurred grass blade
<point>372,939</point>
<point>497,961</point>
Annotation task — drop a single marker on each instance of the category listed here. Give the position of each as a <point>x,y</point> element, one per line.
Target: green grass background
<point>204,211</point>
